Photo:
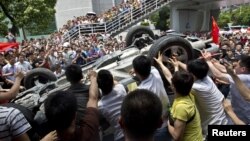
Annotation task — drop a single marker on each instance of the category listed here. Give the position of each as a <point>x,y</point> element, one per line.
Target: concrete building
<point>67,9</point>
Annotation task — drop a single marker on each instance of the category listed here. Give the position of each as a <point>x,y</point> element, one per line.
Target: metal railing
<point>118,22</point>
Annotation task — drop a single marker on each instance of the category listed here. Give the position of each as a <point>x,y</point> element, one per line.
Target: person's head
<point>73,73</point>
<point>12,59</point>
<point>182,82</point>
<point>243,66</point>
<point>141,114</point>
<point>60,110</point>
<point>142,66</point>
<point>21,58</point>
<point>239,46</point>
<point>105,81</point>
<point>199,68</point>
<point>42,53</point>
<point>230,53</point>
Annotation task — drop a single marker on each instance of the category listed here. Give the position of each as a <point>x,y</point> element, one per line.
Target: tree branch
<point>5,11</point>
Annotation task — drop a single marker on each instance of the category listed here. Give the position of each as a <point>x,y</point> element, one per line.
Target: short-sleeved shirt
<point>24,67</point>
<point>209,101</point>
<point>81,92</point>
<point>184,109</point>
<point>8,68</point>
<point>154,84</point>
<point>13,123</point>
<point>240,106</point>
<point>110,108</point>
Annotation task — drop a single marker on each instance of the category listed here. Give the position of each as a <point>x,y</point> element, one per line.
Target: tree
<point>241,15</point>
<point>224,19</point>
<point>35,14</point>
<point>237,16</point>
<point>161,19</point>
<point>3,25</point>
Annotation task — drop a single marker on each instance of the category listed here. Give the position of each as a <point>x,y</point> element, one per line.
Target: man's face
<point>12,59</point>
<point>239,69</point>
<point>21,58</point>
<point>238,47</point>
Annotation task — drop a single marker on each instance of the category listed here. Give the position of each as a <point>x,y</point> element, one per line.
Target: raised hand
<point>19,75</point>
<point>159,58</point>
<point>206,55</point>
<point>229,68</point>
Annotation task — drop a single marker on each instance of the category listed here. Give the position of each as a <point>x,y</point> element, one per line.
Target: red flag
<point>215,31</point>
<point>5,46</point>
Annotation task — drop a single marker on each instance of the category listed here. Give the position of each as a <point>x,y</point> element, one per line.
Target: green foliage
<point>224,18</point>
<point>29,14</point>
<point>239,16</point>
<point>161,18</point>
<point>3,25</point>
<point>145,23</point>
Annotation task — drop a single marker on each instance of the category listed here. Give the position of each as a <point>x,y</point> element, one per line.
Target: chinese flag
<point>5,46</point>
<point>215,31</point>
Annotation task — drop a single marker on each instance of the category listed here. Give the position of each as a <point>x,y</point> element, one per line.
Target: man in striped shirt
<point>13,125</point>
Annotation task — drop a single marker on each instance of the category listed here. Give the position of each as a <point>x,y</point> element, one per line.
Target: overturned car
<point>140,41</point>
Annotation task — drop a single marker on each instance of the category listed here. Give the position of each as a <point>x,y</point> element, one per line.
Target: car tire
<point>164,44</point>
<point>136,32</point>
<point>45,74</point>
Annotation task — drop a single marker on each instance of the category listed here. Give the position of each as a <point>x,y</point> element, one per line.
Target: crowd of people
<point>121,10</point>
<point>198,101</point>
<point>146,113</point>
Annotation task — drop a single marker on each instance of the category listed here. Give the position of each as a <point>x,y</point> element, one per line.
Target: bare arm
<point>229,110</point>
<point>182,65</point>
<point>216,73</point>
<point>93,91</point>
<point>219,66</point>
<point>23,137</point>
<point>242,88</point>
<point>164,69</point>
<point>177,130</point>
<point>14,89</point>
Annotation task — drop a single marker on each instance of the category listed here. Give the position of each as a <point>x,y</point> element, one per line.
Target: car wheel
<point>38,76</point>
<point>169,46</point>
<point>137,32</point>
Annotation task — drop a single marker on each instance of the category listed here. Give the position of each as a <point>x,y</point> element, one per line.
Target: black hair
<point>245,61</point>
<point>142,65</point>
<point>105,81</point>
<point>60,110</point>
<point>141,113</point>
<point>73,73</point>
<point>183,82</point>
<point>198,67</point>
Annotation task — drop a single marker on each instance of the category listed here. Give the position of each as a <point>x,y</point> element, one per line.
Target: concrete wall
<point>67,9</point>
<point>192,20</point>
<point>99,6</point>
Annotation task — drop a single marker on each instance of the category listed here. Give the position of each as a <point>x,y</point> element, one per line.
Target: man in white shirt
<point>111,101</point>
<point>240,105</point>
<point>9,70</point>
<point>151,80</point>
<point>22,65</point>
<point>208,98</point>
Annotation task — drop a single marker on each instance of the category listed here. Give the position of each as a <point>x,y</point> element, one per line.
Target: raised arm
<point>164,69</point>
<point>229,110</point>
<point>182,65</point>
<point>12,93</point>
<point>216,73</point>
<point>93,90</point>
<point>242,88</point>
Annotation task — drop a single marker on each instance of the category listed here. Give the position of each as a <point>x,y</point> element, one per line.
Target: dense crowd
<point>91,18</point>
<point>145,113</point>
